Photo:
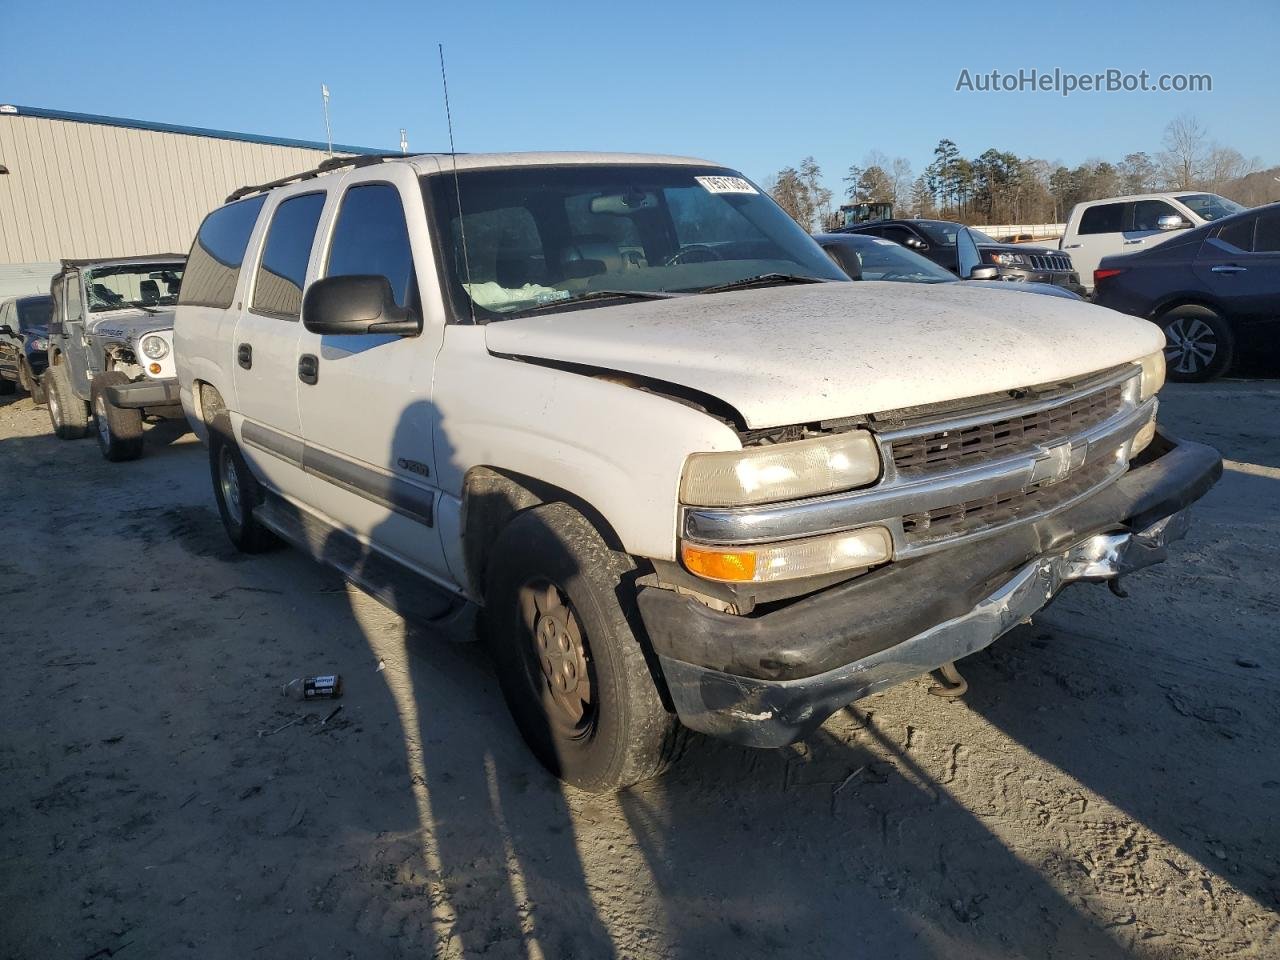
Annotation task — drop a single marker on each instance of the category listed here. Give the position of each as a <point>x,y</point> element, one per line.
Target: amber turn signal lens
<point>154,368</point>
<point>739,567</point>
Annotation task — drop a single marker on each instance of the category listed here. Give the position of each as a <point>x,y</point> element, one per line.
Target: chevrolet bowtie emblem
<point>1056,463</point>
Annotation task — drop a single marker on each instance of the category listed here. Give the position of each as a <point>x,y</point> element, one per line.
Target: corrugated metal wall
<point>77,190</point>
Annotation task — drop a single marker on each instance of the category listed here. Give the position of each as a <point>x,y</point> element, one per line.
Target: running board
<point>394,585</point>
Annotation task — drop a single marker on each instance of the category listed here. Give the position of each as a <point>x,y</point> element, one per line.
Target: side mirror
<point>7,331</point>
<point>347,306</point>
<point>1171,221</point>
<point>984,273</point>
<point>915,243</point>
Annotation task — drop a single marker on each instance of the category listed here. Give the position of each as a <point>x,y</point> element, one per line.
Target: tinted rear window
<point>1105,218</point>
<point>277,289</point>
<point>35,314</point>
<point>1267,238</point>
<point>1238,234</point>
<point>214,264</point>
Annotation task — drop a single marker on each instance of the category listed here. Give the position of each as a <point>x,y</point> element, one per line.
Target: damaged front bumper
<point>768,681</point>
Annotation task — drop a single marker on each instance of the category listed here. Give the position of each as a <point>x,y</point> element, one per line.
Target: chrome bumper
<point>772,713</point>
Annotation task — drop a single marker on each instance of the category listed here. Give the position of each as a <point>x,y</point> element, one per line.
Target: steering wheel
<point>693,253</point>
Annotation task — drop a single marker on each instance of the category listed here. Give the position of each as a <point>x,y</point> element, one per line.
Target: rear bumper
<point>770,680</point>
<point>144,393</point>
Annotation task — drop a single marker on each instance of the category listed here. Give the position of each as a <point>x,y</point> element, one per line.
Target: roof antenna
<point>457,191</point>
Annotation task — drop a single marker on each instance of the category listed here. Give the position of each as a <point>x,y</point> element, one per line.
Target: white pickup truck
<point>629,408</point>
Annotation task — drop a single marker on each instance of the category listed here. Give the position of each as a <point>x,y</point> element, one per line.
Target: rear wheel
<point>119,430</point>
<point>572,669</point>
<point>1200,343</point>
<point>236,490</point>
<point>67,412</point>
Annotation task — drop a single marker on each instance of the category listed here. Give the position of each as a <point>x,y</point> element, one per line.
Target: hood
<point>800,354</point>
<point>128,325</point>
<point>1045,289</point>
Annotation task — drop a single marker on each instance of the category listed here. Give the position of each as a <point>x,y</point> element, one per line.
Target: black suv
<point>24,344</point>
<point>937,240</point>
<point>1209,288</point>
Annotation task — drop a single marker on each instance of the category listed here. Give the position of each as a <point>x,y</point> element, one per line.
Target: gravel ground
<point>1108,788</point>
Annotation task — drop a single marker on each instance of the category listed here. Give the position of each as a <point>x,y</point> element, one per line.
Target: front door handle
<point>1072,246</point>
<point>1129,243</point>
<point>244,355</point>
<point>308,368</point>
<point>1227,268</point>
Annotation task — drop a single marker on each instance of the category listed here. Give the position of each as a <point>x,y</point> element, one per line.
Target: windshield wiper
<point>760,279</point>
<point>599,295</point>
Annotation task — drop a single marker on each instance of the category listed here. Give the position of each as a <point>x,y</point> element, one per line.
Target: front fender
<point>619,449</point>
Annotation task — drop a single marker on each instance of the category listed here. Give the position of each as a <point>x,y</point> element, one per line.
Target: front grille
<point>1000,509</point>
<point>1051,261</point>
<point>950,449</point>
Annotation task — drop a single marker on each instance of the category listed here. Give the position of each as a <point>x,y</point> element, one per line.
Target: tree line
<point>999,187</point>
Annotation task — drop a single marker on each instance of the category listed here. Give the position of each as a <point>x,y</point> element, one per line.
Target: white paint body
<point>1088,249</point>
<point>454,398</point>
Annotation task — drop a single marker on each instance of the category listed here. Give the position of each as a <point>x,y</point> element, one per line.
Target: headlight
<point>1007,259</point>
<point>767,562</point>
<point>1152,376</point>
<point>155,348</point>
<point>783,471</point>
<point>38,343</point>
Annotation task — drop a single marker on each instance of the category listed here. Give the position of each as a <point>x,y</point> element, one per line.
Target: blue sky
<point>753,85</point>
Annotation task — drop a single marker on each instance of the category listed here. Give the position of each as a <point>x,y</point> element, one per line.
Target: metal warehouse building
<point>77,186</point>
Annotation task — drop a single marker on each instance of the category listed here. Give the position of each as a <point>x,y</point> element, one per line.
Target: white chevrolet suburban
<point>628,410</point>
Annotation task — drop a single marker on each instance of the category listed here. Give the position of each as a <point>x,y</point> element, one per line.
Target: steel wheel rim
<point>100,419</point>
<point>559,662</point>
<point>1192,345</point>
<point>229,484</point>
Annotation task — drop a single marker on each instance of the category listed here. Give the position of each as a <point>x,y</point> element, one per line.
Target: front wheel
<point>119,430</point>
<point>31,383</point>
<point>1200,343</point>
<point>575,677</point>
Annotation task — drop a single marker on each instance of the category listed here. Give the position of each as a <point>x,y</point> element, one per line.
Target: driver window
<point>72,298</point>
<point>1147,214</point>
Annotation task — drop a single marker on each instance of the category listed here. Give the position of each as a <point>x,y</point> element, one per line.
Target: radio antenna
<point>457,190</point>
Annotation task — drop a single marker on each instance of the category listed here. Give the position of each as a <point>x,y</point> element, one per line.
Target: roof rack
<point>328,166</point>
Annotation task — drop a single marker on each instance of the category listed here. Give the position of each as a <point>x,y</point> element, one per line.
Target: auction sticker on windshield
<point>726,185</point>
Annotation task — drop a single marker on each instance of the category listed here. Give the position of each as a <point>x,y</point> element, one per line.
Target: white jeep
<point>628,407</point>
<point>111,358</point>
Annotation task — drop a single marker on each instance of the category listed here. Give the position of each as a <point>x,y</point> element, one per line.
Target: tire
<point>553,576</point>
<point>7,387</point>
<point>119,431</point>
<point>31,384</point>
<point>1201,344</point>
<point>67,412</point>
<point>236,490</point>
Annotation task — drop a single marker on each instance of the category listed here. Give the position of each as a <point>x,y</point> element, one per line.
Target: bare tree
<point>1225,164</point>
<point>901,176</point>
<point>1185,154</point>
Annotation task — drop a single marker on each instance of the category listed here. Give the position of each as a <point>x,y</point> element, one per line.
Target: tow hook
<point>1118,590</point>
<point>956,685</point>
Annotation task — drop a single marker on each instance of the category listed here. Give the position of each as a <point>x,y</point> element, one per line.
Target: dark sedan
<point>1210,289</point>
<point>874,258</point>
<point>938,240</point>
<point>24,344</point>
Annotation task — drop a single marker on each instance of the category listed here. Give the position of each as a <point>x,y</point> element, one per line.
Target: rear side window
<point>1104,218</point>
<point>371,237</point>
<point>214,263</point>
<point>277,286</point>
<point>1239,234</point>
<point>1267,238</point>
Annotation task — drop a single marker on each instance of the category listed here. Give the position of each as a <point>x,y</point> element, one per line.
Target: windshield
<point>34,314</point>
<point>885,260</point>
<point>538,237</point>
<point>1209,206</point>
<point>980,237</point>
<point>121,286</point>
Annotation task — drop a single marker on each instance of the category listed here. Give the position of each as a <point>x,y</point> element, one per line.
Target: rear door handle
<point>1130,242</point>
<point>308,368</point>
<point>1072,246</point>
<point>1228,268</point>
<point>244,355</point>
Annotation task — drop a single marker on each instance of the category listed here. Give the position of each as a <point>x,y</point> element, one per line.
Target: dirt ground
<point>1108,788</point>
